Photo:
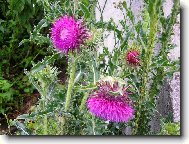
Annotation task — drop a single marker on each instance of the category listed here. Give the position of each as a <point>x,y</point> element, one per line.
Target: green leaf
<point>43,23</point>
<point>17,5</point>
<point>2,111</point>
<point>2,29</point>
<point>129,11</point>
<point>23,41</point>
<point>48,60</point>
<point>5,85</point>
<point>84,88</point>
<point>23,116</point>
<point>85,10</point>
<point>78,76</point>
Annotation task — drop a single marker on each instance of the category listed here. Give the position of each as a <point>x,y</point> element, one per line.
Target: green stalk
<point>170,25</point>
<point>157,80</point>
<point>93,124</point>
<point>72,64</point>
<point>43,106</point>
<point>62,125</point>
<point>141,121</point>
<point>70,84</point>
<point>75,5</point>
<point>86,94</point>
<point>149,97</point>
<point>45,122</point>
<point>45,129</point>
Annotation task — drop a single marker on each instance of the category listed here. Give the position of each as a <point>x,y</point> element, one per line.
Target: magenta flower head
<point>132,57</point>
<point>110,101</point>
<point>67,34</point>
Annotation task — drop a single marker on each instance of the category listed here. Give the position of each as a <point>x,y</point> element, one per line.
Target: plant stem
<point>93,124</point>
<point>8,123</point>
<point>62,125</point>
<point>75,5</point>
<point>168,28</point>
<point>86,94</point>
<point>70,84</point>
<point>45,132</point>
<point>141,121</point>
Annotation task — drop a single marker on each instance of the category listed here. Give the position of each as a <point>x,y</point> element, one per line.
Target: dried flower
<point>67,34</point>
<point>110,101</point>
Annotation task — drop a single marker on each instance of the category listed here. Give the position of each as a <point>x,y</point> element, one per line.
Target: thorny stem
<point>87,93</point>
<point>45,121</point>
<point>8,123</point>
<point>94,75</point>
<point>83,101</point>
<point>94,82</point>
<point>157,80</point>
<point>45,129</point>
<point>133,23</point>
<point>70,84</point>
<point>69,91</point>
<point>75,5</point>
<point>169,29</point>
<point>62,124</point>
<point>93,123</point>
<point>43,106</point>
<point>101,10</point>
<point>146,69</point>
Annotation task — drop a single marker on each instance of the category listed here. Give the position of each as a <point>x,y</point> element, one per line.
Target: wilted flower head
<point>67,34</point>
<point>132,57</point>
<point>110,101</point>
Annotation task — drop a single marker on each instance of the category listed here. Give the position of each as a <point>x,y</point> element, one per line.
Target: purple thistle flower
<point>111,102</point>
<point>67,34</point>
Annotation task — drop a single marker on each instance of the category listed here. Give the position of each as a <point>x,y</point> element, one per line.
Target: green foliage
<point>170,129</point>
<point>6,94</point>
<point>17,19</point>
<point>61,108</point>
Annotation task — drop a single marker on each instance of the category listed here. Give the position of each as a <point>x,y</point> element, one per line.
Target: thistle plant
<point>67,36</point>
<point>104,92</point>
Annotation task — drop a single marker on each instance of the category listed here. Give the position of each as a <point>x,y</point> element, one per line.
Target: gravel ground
<point>136,6</point>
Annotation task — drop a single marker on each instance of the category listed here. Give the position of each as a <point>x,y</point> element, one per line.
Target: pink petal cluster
<point>107,103</point>
<point>67,34</point>
<point>133,57</point>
